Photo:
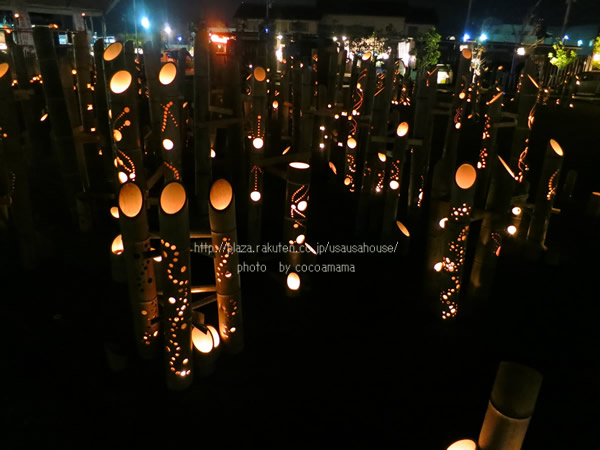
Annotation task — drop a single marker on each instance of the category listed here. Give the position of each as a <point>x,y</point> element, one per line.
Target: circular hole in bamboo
<point>556,147</point>
<point>120,82</point>
<point>299,165</point>
<point>221,194</point>
<point>112,51</point>
<point>467,54</point>
<point>131,199</point>
<point>351,143</point>
<point>293,281</point>
<point>260,74</point>
<point>172,198</point>
<point>465,176</point>
<point>382,157</point>
<point>394,185</point>
<point>167,73</point>
<point>255,196</point>
<point>168,144</point>
<point>258,143</point>
<point>3,69</point>
<point>402,129</point>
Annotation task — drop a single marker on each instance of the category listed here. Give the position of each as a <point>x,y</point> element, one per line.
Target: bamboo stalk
<point>224,238</point>
<point>141,281</point>
<point>511,406</point>
<point>177,311</point>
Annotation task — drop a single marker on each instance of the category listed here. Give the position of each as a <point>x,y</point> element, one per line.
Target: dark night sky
<point>451,13</point>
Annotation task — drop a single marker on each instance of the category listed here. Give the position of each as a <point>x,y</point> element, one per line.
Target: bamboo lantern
<point>117,264</point>
<point>205,340</point>
<point>202,150</point>
<point>395,167</point>
<point>13,164</point>
<point>170,124</point>
<point>546,193</point>
<point>463,444</point>
<point>296,204</point>
<point>456,231</point>
<point>123,94</point>
<point>224,238</point>
<point>423,128</point>
<point>62,130</point>
<point>494,227</point>
<point>446,166</point>
<point>177,312</point>
<point>133,221</point>
<point>511,406</point>
<point>81,49</point>
<point>528,92</point>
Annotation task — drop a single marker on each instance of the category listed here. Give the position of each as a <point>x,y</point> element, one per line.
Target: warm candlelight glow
<point>120,82</point>
<point>221,194</point>
<point>167,73</point>
<point>172,198</point>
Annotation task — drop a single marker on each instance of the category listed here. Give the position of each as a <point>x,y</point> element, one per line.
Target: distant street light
<point>466,37</point>
<point>521,51</point>
<point>180,38</point>
<point>145,23</point>
<point>483,37</point>
<point>168,29</point>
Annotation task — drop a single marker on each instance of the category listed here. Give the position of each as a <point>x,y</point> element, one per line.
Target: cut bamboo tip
<point>465,176</point>
<point>3,69</point>
<point>299,165</point>
<point>172,198</point>
<point>556,147</point>
<point>120,82</point>
<point>463,444</point>
<point>167,73</point>
<point>117,245</point>
<point>260,74</point>
<point>221,194</point>
<point>131,199</point>
<point>467,54</point>
<point>112,51</point>
<point>402,228</point>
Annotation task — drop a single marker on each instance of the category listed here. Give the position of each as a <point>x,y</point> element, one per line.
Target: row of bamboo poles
<point>326,121</point>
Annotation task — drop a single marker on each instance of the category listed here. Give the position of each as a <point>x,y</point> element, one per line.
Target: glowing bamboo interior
<point>171,117</point>
<point>224,240</point>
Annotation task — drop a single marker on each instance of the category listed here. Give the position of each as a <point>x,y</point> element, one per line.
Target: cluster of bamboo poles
<point>121,123</point>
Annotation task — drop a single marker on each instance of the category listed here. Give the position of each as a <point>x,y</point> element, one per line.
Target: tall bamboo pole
<point>224,239</point>
<point>135,232</point>
<point>81,50</point>
<point>546,193</point>
<point>62,133</point>
<point>170,136</point>
<point>202,162</point>
<point>511,406</point>
<point>177,311</point>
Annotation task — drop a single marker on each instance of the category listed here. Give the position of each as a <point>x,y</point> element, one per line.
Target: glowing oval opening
<point>258,143</point>
<point>347,181</point>
<point>556,147</point>
<point>117,245</point>
<point>275,104</point>
<point>402,228</point>
<point>464,444</point>
<point>402,129</point>
<point>131,199</point>
<point>172,198</point>
<point>255,196</point>
<point>123,178</point>
<point>3,69</point>
<point>300,239</point>
<point>351,143</point>
<point>394,185</point>
<point>366,56</point>
<point>382,157</point>
<point>112,51</point>
<point>437,267</point>
<point>167,73</point>
<point>117,135</point>
<point>299,165</point>
<point>221,194</point>
<point>293,281</point>
<point>442,222</point>
<point>332,167</point>
<point>465,176</point>
<point>511,229</point>
<point>44,117</point>
<point>168,144</point>
<point>203,341</point>
<point>114,211</point>
<point>516,211</point>
<point>120,82</point>
<point>260,74</point>
<point>467,54</point>
<point>302,205</point>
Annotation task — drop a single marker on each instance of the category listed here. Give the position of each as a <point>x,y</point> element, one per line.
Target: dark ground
<point>359,361</point>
